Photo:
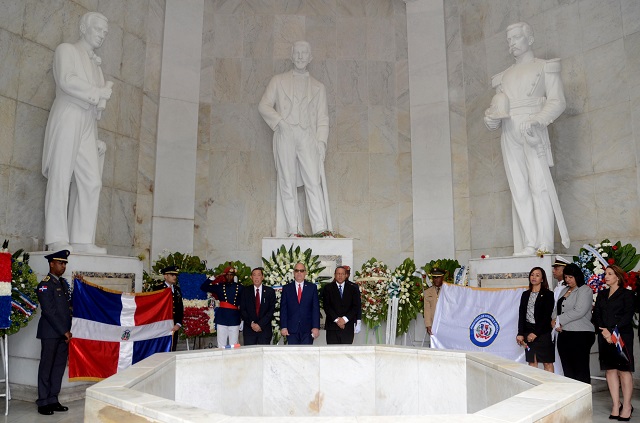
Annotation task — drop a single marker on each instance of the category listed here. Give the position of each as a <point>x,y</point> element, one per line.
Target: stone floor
<point>26,412</point>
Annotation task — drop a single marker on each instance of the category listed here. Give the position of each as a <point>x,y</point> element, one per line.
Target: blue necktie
<point>340,288</point>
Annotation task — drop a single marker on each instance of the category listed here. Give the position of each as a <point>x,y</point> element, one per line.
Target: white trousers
<point>72,133</point>
<point>297,156</point>
<point>230,332</point>
<point>532,211</point>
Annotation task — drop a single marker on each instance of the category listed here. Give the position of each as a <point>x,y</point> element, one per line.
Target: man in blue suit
<point>300,309</point>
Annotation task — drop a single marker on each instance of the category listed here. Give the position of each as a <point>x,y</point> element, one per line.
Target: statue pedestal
<point>113,272</point>
<point>509,272</point>
<point>333,252</point>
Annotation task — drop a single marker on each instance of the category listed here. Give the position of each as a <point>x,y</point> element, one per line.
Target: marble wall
<point>595,142</point>
<point>30,30</point>
<point>360,54</point>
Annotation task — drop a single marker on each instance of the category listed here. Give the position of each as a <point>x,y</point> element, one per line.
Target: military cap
<point>229,269</point>
<point>170,270</point>
<point>560,261</point>
<point>58,256</point>
<point>436,272</point>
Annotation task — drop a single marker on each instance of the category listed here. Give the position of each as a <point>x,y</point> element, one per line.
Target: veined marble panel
<point>601,22</point>
<point>392,366</point>
<point>295,370</point>
<point>10,47</point>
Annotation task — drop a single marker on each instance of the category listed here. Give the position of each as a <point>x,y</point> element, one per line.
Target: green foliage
<point>243,272</point>
<point>448,265</point>
<point>185,263</point>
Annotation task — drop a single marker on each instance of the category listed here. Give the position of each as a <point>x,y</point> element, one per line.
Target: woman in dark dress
<point>534,322</point>
<point>614,308</point>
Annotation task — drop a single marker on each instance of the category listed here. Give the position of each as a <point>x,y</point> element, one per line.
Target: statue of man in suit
<point>294,105</point>
<point>72,156</point>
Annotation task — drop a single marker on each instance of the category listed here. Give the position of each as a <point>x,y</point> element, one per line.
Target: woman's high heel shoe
<point>612,417</point>
<point>626,419</point>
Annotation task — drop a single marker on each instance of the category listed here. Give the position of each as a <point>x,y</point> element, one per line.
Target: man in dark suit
<point>54,332</point>
<point>256,307</point>
<point>300,309</point>
<point>340,302</point>
<point>171,279</point>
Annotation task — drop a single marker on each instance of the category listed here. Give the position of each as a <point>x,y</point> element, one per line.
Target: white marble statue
<point>528,98</point>
<point>294,105</point>
<point>72,157</point>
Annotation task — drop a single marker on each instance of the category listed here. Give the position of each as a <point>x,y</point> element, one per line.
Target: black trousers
<point>53,361</point>
<point>340,336</point>
<point>256,338</point>
<point>574,349</point>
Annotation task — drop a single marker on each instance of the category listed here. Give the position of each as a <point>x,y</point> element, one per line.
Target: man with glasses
<point>300,309</point>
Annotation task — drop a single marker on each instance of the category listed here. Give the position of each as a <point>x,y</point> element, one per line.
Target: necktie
<point>257,302</point>
<point>340,288</point>
<point>299,293</point>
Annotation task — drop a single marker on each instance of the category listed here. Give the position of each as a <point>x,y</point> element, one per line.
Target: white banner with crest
<point>478,319</point>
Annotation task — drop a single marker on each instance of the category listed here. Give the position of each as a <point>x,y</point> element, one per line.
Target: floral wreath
<point>407,286</point>
<point>373,280</point>
<point>594,259</point>
<point>21,289</point>
<point>278,270</point>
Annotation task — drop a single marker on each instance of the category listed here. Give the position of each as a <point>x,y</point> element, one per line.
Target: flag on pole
<point>478,319</point>
<point>619,344</point>
<point>113,330</point>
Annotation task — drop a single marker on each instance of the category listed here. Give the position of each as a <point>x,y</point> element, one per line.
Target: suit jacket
<point>542,310</point>
<point>55,318</point>
<point>336,307</point>
<point>299,318</point>
<point>277,103</point>
<point>359,316</point>
<point>430,300</point>
<point>576,310</point>
<point>74,74</point>
<point>267,307</point>
<point>613,311</point>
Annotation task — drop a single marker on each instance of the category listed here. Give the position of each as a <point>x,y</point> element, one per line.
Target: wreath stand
<point>4,349</point>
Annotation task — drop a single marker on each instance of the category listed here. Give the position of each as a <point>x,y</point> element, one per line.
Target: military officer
<point>171,279</point>
<point>54,332</point>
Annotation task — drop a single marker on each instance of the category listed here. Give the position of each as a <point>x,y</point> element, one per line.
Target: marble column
<point>174,195</point>
<point>431,158</point>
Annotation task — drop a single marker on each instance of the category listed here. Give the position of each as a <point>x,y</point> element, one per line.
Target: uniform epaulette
<point>46,278</point>
<point>496,80</point>
<point>553,66</point>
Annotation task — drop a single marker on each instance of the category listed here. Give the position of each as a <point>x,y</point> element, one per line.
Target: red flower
<point>611,261</point>
<point>615,247</point>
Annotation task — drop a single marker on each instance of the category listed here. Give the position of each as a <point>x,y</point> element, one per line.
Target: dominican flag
<point>113,330</point>
<point>619,344</point>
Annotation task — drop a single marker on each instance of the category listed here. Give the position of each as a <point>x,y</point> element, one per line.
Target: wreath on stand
<point>20,301</point>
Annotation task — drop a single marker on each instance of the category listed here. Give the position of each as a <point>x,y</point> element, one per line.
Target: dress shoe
<point>45,410</point>
<point>626,419</point>
<point>89,249</point>
<point>60,245</point>
<point>59,407</point>
<point>612,417</point>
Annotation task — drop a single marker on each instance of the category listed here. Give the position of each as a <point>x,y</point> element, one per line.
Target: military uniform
<point>55,322</point>
<point>178,306</point>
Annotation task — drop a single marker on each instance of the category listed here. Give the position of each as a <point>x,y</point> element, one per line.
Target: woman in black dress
<point>614,308</point>
<point>534,322</point>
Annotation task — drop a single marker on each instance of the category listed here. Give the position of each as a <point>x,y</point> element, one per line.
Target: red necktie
<point>299,293</point>
<point>257,302</point>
